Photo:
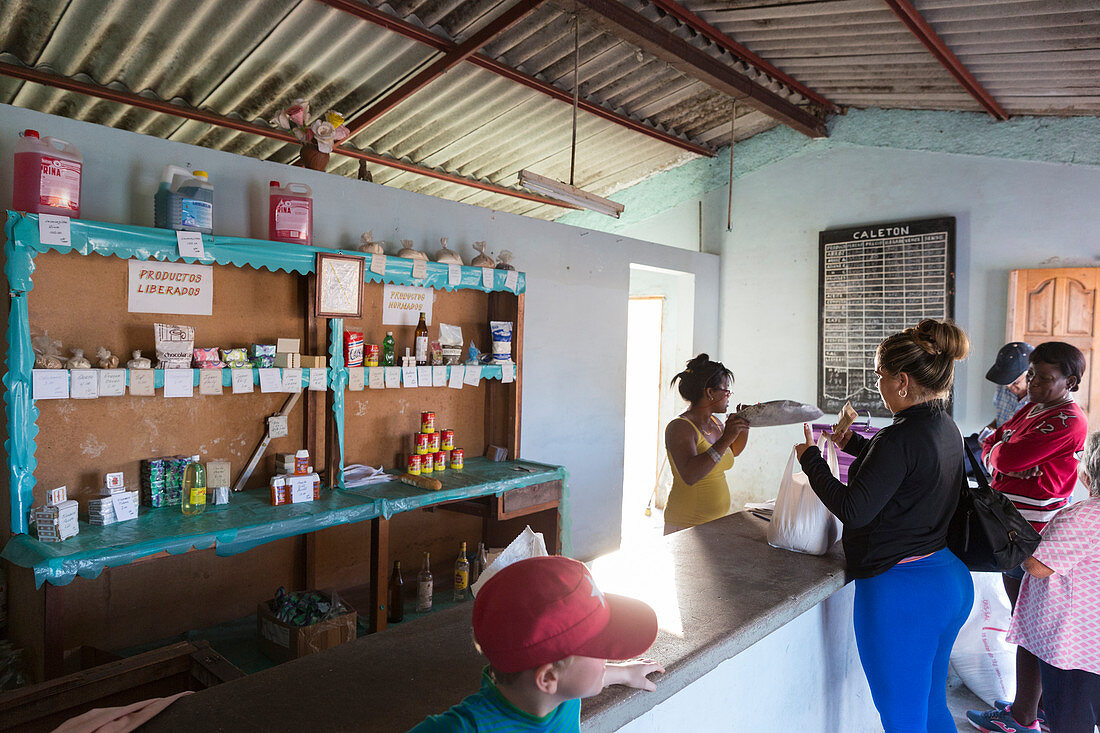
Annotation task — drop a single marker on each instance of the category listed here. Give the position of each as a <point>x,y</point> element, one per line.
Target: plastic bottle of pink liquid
<point>47,176</point>
<point>290,213</point>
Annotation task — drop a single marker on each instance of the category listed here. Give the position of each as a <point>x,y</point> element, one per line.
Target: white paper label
<point>420,269</point>
<point>190,244</point>
<point>54,229</point>
<point>378,264</point>
<point>508,372</point>
<point>170,287</point>
<point>277,426</point>
<point>376,378</point>
<point>112,382</point>
<point>487,277</point>
<point>457,373</point>
<point>473,375</point>
<point>424,376</point>
<point>292,380</point>
<point>125,508</point>
<point>242,381</point>
<point>318,380</point>
<point>439,376</point>
<point>402,305</point>
<point>356,379</point>
<point>300,491</point>
<point>393,377</point>
<point>454,274</point>
<point>408,377</point>
<point>142,382</point>
<point>292,219</point>
<point>511,280</point>
<point>271,380</point>
<point>83,384</point>
<point>210,381</point>
<point>50,384</point>
<point>179,383</point>
<point>59,183</point>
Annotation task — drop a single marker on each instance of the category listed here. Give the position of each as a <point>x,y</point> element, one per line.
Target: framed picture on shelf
<point>339,285</point>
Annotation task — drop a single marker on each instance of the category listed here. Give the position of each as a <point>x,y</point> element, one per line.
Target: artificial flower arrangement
<point>324,132</point>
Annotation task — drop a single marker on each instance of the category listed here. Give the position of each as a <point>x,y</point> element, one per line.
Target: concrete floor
<point>960,699</point>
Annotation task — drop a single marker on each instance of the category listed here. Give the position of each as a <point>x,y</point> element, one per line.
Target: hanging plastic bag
<point>986,663</point>
<point>800,521</point>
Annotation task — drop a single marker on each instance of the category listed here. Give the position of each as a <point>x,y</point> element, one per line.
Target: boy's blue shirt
<point>488,710</point>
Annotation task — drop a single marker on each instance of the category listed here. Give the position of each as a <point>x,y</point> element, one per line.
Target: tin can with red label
<point>414,464</point>
<point>353,348</point>
<point>427,463</point>
<point>427,422</point>
<point>370,355</point>
<point>440,461</point>
<point>433,442</point>
<point>448,439</point>
<point>456,459</point>
<point>422,443</point>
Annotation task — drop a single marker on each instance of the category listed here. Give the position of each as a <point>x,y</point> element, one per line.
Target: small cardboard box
<point>282,642</point>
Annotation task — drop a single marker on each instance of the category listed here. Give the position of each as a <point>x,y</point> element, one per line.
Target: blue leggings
<point>906,621</point>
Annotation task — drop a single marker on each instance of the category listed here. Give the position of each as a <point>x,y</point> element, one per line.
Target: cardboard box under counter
<point>282,642</point>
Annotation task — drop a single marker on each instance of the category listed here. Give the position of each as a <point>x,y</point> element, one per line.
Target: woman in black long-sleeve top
<point>912,594</point>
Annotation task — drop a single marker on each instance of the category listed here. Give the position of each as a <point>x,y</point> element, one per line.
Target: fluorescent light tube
<point>569,194</point>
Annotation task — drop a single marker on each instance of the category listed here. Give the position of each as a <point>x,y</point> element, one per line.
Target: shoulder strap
<point>693,427</point>
<point>979,474</point>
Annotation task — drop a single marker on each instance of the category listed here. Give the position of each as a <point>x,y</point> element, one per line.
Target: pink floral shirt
<point>1057,618</point>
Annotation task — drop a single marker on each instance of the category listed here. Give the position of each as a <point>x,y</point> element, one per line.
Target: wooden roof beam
<point>639,31</point>
<point>931,40</point>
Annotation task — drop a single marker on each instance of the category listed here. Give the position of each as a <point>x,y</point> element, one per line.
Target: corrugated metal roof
<point>249,59</point>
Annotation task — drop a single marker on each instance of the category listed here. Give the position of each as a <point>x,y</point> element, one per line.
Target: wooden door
<point>1059,305</point>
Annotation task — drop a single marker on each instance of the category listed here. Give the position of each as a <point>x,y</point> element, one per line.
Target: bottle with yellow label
<point>462,574</point>
<point>193,499</point>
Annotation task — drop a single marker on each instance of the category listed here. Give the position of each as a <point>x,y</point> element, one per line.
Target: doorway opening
<point>660,324</point>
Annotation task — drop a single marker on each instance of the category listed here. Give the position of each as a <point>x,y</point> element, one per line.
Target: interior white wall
<point>577,285</point>
<point>1010,214</point>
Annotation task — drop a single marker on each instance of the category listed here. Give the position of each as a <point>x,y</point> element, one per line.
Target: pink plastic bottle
<point>47,176</point>
<point>290,213</point>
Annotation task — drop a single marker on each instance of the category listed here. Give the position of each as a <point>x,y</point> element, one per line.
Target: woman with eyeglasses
<point>1033,459</point>
<point>701,447</point>
<point>912,594</point>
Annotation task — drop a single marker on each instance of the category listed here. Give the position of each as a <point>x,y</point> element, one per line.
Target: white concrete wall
<point>802,677</point>
<point>577,284</point>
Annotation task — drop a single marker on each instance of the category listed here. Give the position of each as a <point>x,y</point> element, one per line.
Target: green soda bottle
<point>193,500</point>
<point>388,347</point>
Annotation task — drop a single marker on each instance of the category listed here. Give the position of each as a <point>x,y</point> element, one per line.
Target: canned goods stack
<point>433,450</point>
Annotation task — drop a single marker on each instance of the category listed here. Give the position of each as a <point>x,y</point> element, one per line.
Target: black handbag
<point>987,532</point>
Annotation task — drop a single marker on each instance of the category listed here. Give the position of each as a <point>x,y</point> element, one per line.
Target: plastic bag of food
<point>502,341</point>
<point>47,351</point>
<point>450,338</point>
<point>175,345</point>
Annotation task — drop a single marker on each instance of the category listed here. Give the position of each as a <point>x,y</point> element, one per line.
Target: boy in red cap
<point>548,632</point>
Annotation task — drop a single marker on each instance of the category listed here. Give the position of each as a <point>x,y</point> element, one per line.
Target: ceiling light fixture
<point>567,192</point>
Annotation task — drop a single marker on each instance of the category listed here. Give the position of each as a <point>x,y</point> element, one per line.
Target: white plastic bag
<point>527,544</point>
<point>800,521</point>
<point>985,662</point>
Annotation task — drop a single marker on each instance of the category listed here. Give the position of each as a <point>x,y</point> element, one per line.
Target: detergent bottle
<point>290,213</point>
<point>47,176</point>
<point>184,201</point>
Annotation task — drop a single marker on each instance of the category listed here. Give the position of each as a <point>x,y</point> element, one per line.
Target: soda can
<point>448,439</point>
<point>414,464</point>
<point>456,459</point>
<point>370,355</point>
<point>353,348</point>
<point>427,422</point>
<point>440,461</point>
<point>433,442</point>
<point>427,463</point>
<point>421,443</point>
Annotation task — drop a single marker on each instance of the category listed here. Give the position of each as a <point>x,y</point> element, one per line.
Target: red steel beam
<point>449,60</point>
<point>212,118</point>
<point>416,33</point>
<point>931,40</point>
<point>637,30</point>
<point>693,21</point>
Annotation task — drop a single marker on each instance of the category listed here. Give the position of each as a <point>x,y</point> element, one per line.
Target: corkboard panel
<point>79,440</point>
<point>379,423</point>
<point>171,594</point>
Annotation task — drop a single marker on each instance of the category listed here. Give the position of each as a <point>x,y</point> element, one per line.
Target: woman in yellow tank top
<point>700,448</point>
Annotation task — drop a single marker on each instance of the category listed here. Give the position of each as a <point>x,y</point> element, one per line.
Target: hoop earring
<point>903,393</point>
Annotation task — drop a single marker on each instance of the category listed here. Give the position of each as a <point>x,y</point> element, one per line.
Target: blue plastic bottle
<point>184,201</point>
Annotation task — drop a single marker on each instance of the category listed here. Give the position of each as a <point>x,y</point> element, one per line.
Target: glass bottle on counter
<point>396,598</point>
<point>462,574</point>
<point>424,585</point>
<point>421,342</point>
<point>193,496</point>
<point>389,346</point>
<point>481,560</point>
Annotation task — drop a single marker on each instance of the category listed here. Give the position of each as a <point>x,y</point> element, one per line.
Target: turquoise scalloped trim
<point>338,379</point>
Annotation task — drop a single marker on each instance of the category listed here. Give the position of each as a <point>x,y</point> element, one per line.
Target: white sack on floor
<point>984,661</point>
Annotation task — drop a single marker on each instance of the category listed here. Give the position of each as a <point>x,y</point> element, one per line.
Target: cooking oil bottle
<point>193,500</point>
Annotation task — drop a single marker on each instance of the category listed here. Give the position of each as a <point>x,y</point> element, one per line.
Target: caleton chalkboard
<point>876,280</point>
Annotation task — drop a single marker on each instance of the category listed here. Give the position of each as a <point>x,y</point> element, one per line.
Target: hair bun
<point>941,338</point>
<point>699,361</point>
